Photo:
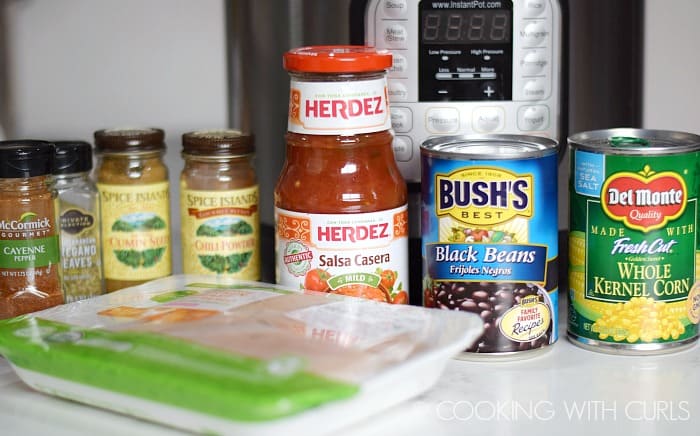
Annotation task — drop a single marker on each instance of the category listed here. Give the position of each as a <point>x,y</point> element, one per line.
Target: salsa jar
<point>341,218</point>
<point>135,206</point>
<point>219,205</point>
<point>30,270</point>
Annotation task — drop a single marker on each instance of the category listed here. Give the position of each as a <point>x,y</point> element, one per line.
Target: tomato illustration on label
<point>317,280</point>
<point>645,200</point>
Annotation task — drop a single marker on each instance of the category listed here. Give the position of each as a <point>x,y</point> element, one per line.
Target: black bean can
<point>489,230</point>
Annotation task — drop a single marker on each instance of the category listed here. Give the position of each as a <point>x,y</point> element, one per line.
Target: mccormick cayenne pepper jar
<point>220,221</point>
<point>340,200</point>
<point>135,206</point>
<point>30,276</point>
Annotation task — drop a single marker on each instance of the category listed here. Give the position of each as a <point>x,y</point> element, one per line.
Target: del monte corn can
<point>490,237</point>
<point>633,241</point>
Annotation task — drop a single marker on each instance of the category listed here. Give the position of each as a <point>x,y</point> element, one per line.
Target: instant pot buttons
<point>399,65</point>
<point>534,8</point>
<point>533,62</point>
<point>395,8</point>
<point>534,33</point>
<point>442,120</point>
<point>535,89</point>
<point>397,91</point>
<point>401,119</point>
<point>403,148</point>
<point>488,119</point>
<point>533,117</point>
<point>395,35</point>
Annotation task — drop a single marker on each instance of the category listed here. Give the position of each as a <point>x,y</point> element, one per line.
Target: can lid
<point>490,147</point>
<point>72,157</point>
<point>337,59</point>
<point>631,141</point>
<point>129,139</point>
<point>25,158</point>
<point>226,142</point>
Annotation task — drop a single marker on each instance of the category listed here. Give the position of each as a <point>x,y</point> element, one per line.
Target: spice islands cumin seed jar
<point>220,221</point>
<point>340,200</point>
<point>79,219</point>
<point>135,205</point>
<point>634,264</point>
<point>30,270</point>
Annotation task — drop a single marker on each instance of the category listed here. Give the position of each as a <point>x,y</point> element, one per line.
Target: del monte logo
<point>645,200</point>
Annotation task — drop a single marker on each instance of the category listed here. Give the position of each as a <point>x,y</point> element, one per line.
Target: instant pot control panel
<point>467,66</point>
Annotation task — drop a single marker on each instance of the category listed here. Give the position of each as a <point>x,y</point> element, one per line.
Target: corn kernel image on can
<point>633,240</point>
<point>490,237</point>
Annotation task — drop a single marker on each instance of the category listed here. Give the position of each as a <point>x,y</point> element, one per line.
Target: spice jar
<point>340,200</point>
<point>79,221</point>
<point>135,206</point>
<point>220,222</point>
<point>30,277</point>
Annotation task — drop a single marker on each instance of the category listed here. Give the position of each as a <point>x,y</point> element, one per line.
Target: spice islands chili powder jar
<point>135,206</point>
<point>220,221</point>
<point>30,276</point>
<point>340,200</point>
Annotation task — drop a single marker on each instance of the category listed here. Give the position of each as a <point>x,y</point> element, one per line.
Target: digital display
<point>486,26</point>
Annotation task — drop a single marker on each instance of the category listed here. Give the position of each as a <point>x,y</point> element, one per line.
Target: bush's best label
<point>633,247</point>
<point>483,196</point>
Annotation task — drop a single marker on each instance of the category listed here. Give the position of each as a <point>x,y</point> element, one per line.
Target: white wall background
<point>672,65</point>
<point>74,66</point>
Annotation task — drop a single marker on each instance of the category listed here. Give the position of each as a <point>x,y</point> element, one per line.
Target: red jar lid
<point>337,59</point>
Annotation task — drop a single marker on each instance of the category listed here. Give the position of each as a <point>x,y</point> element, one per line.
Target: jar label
<point>28,239</point>
<point>136,231</point>
<point>634,258</point>
<point>81,255</point>
<point>221,232</point>
<point>363,254</point>
<point>338,108</point>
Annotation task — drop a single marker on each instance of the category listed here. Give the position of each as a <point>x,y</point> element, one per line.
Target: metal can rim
<point>503,146</point>
<point>662,142</point>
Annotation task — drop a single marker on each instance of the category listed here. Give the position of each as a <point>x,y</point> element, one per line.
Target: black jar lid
<point>129,140</point>
<point>217,143</point>
<point>72,157</point>
<point>26,158</point>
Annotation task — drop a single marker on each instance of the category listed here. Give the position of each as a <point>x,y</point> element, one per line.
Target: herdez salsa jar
<point>135,204</point>
<point>340,201</point>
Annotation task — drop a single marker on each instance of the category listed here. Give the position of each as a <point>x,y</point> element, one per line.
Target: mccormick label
<point>633,266</point>
<point>363,255</point>
<point>338,108</point>
<point>136,231</point>
<point>28,244</point>
<point>221,232</point>
<point>489,231</point>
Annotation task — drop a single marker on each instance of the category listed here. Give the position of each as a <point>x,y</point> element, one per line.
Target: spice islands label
<point>221,232</point>
<point>136,231</point>
<point>633,263</point>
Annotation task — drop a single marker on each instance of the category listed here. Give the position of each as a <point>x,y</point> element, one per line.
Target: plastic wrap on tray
<point>211,355</point>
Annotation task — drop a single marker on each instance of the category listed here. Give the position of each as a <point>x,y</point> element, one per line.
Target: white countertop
<point>566,390</point>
